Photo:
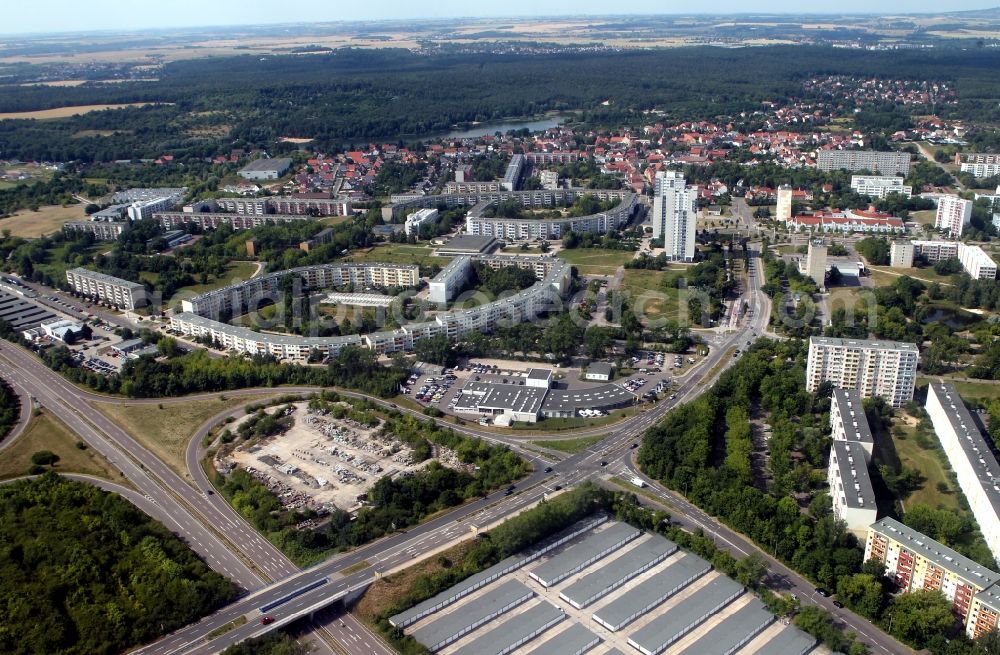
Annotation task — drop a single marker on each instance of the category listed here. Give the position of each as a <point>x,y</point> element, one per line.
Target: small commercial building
<point>128,347</point>
<point>467,244</point>
<point>540,378</point>
<point>62,329</point>
<point>266,169</point>
<point>599,372</point>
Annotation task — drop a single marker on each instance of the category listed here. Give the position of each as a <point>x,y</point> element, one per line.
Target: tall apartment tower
<point>816,262</point>
<point>872,368</point>
<point>953,214</point>
<point>674,218</point>
<point>784,208</point>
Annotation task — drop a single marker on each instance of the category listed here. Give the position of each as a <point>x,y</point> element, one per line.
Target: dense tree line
<point>86,572</point>
<point>499,280</point>
<point>359,95</point>
<point>699,449</point>
<point>277,643</point>
<point>10,409</point>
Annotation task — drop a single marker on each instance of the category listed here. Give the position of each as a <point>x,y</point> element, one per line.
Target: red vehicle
<point>264,620</point>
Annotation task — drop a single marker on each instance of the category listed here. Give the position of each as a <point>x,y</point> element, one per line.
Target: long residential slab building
<point>917,562</point>
<point>115,291</point>
<point>203,316</point>
<point>851,491</point>
<point>970,456</point>
<point>887,369</point>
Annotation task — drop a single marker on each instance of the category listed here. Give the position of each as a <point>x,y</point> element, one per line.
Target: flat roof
<point>686,615</point>
<point>20,313</point>
<point>513,631</point>
<point>645,554</point>
<point>592,398</point>
<point>790,641</point>
<point>127,345</point>
<point>847,403</point>
<point>457,264</point>
<point>571,559</point>
<point>935,552</point>
<point>602,368</point>
<point>266,337</point>
<point>651,592</point>
<point>539,374</point>
<point>734,630</point>
<point>974,447</point>
<point>515,397</point>
<point>455,590</point>
<point>863,343</point>
<point>267,164</point>
<point>471,243</point>
<point>472,613</point>
<point>571,641</point>
<point>104,277</point>
<point>853,467</point>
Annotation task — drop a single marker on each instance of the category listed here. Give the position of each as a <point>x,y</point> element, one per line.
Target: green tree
<point>920,615</point>
<point>863,593</point>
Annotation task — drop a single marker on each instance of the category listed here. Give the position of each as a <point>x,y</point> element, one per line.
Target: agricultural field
<point>596,261</point>
<point>66,112</point>
<point>33,224</point>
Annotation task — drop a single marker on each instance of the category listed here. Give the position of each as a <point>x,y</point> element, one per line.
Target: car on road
<point>266,620</point>
<point>838,604</point>
<point>604,462</point>
<point>822,592</point>
<point>635,445</point>
<point>548,469</point>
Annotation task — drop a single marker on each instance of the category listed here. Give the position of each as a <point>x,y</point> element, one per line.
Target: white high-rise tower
<point>674,216</point>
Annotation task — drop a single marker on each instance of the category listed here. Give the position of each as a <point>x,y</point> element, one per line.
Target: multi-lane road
<point>234,548</point>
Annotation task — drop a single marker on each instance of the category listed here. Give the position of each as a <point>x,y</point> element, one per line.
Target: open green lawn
<point>56,266</point>
<point>931,466</point>
<point>971,390</point>
<point>647,288</point>
<point>45,432</point>
<point>235,272</point>
<point>569,445</point>
<point>399,253</point>
<point>924,217</point>
<point>596,261</point>
<point>883,276</point>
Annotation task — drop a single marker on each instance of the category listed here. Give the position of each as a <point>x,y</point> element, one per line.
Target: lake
<point>484,129</point>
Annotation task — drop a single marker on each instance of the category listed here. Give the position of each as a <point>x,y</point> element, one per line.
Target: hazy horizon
<point>63,16</point>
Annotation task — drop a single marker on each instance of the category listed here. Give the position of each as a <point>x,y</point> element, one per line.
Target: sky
<point>45,16</point>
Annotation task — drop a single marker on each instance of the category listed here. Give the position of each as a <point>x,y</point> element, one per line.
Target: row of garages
<point>603,590</point>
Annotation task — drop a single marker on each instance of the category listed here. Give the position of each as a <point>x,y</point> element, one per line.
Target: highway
<point>220,530</point>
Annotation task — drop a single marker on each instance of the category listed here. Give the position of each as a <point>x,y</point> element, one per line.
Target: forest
<point>86,572</point>
<point>10,409</point>
<point>354,96</point>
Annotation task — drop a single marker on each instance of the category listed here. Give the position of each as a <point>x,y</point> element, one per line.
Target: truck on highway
<point>637,481</point>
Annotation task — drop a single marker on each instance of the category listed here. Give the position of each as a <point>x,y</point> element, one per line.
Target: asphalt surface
<point>220,530</point>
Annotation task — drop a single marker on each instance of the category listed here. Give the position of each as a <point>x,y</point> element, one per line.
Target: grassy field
<point>235,272</point>
<point>661,302</point>
<point>970,390</point>
<point>596,261</point>
<point>166,431</point>
<point>57,265</point>
<point>399,253</point>
<point>929,463</point>
<point>66,112</point>
<point>883,276</point>
<point>569,445</point>
<point>29,224</point>
<point>46,432</point>
<point>924,217</point>
<point>34,173</point>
